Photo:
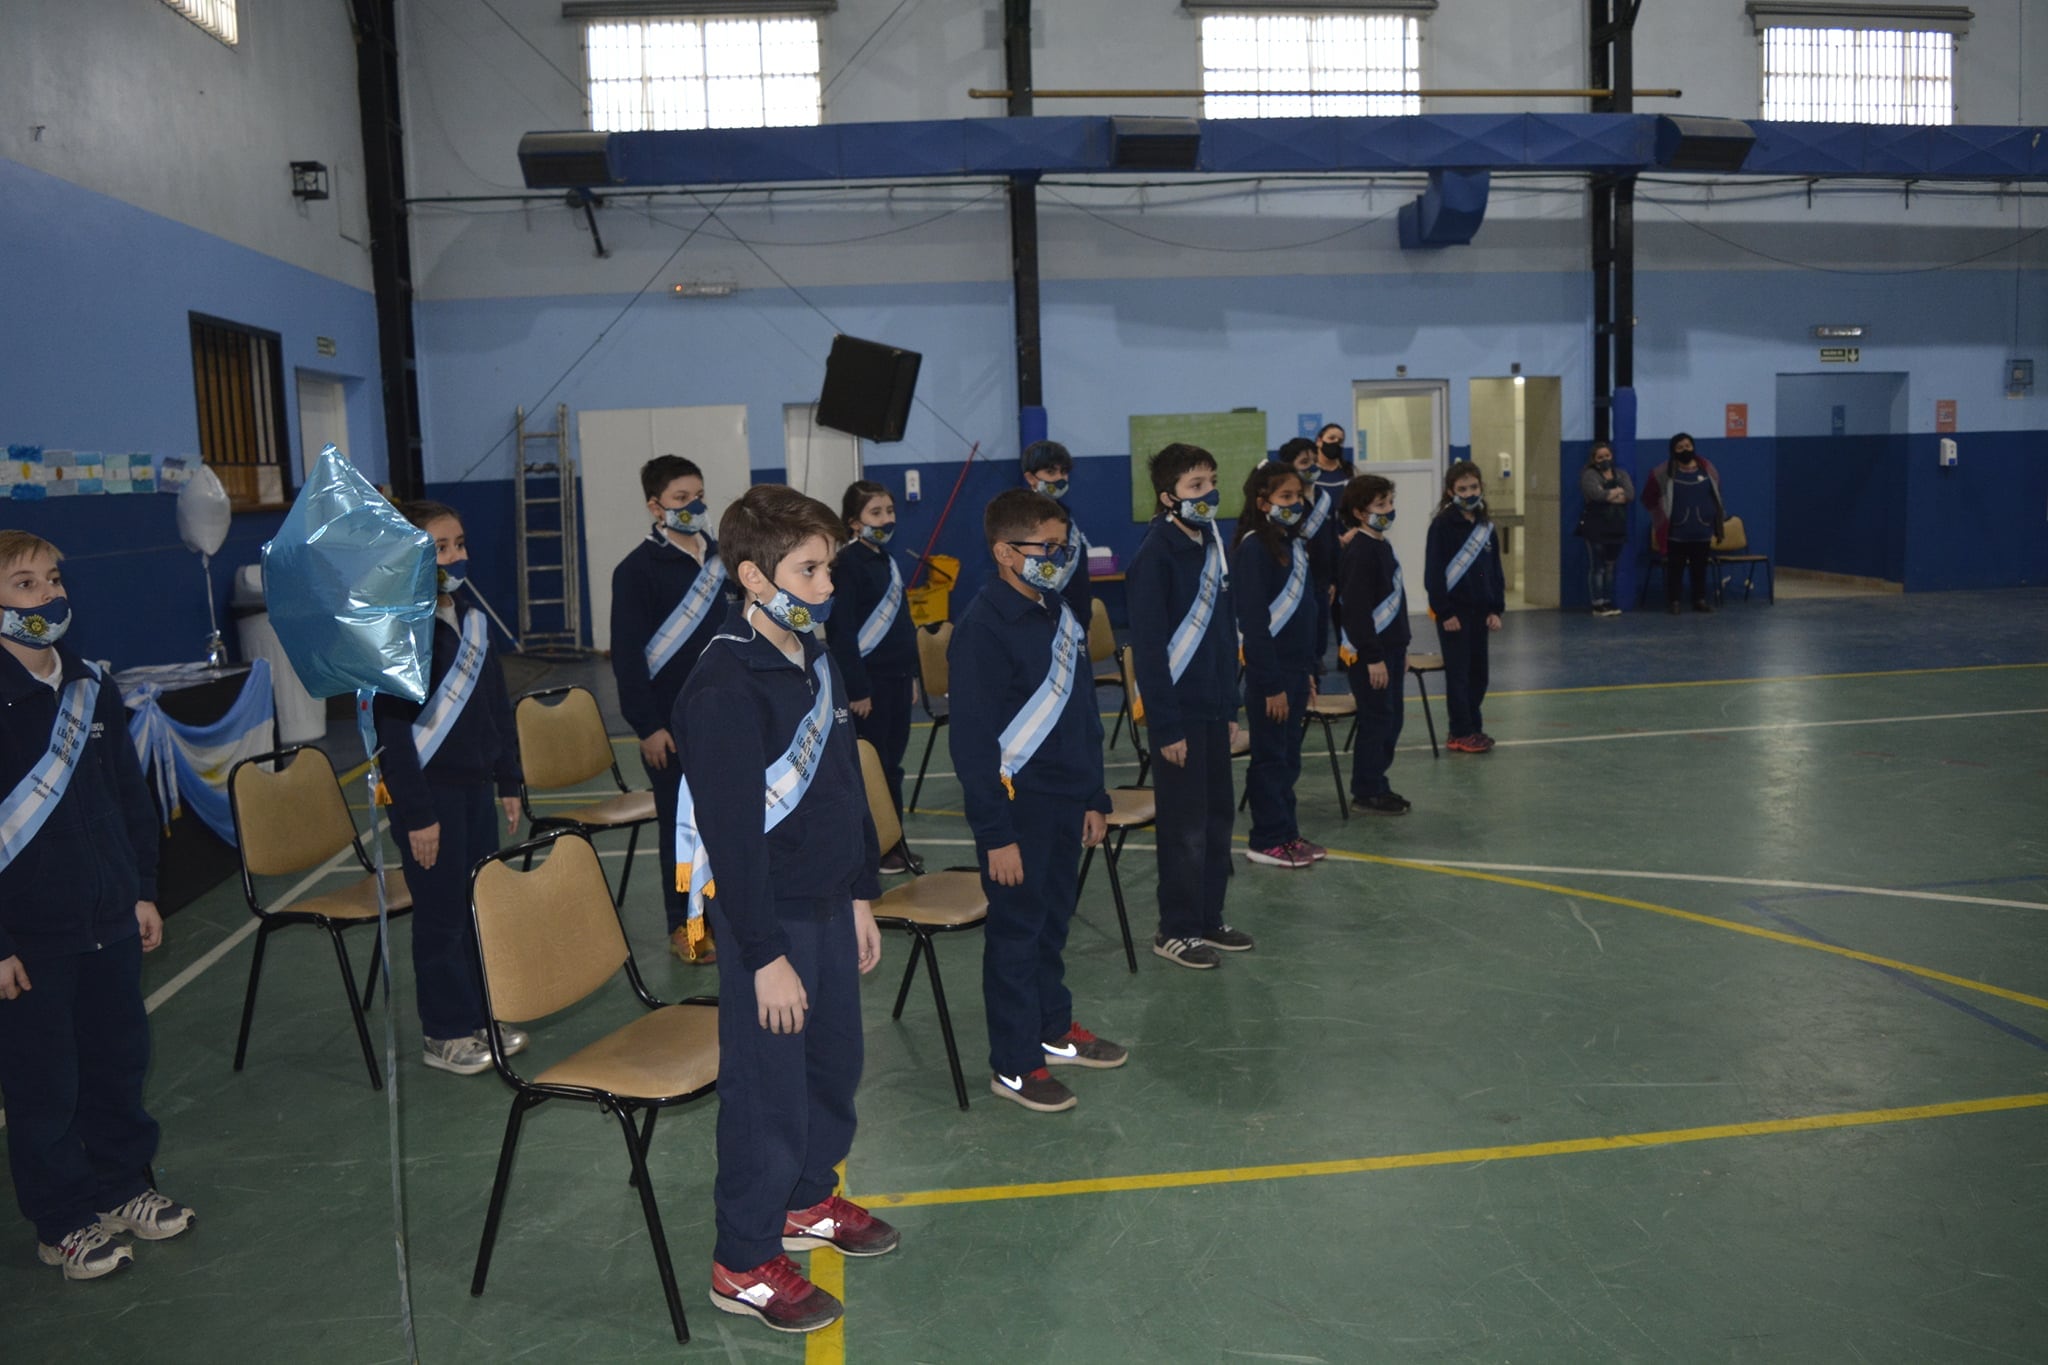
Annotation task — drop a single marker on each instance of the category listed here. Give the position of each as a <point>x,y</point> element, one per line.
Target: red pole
<point>925,557</point>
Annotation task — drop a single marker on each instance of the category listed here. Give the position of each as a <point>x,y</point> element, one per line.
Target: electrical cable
<point>569,80</point>
<point>1841,270</point>
<point>1232,250</point>
<point>853,57</point>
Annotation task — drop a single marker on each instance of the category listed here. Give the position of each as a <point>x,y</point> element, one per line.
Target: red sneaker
<point>777,1293</point>
<point>841,1224</point>
<point>1465,744</point>
<point>1313,852</point>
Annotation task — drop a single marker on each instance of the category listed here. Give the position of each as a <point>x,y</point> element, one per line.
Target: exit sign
<point>1840,355</point>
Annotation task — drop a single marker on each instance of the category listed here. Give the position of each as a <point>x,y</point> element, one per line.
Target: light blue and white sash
<point>885,613</point>
<point>1187,636</point>
<point>455,689</point>
<point>785,782</point>
<point>1027,730</point>
<point>1318,513</point>
<point>26,808</point>
<point>1383,615</point>
<point>1468,553</point>
<point>688,617</point>
<point>1291,592</point>
<point>1080,558</point>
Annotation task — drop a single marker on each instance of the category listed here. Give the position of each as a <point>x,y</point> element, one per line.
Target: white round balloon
<point>203,512</point>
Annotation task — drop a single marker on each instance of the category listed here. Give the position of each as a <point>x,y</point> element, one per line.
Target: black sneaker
<point>1702,606</point>
<point>1228,939</point>
<point>1671,607</point>
<point>1035,1090</point>
<point>1384,804</point>
<point>1405,802</point>
<point>894,864</point>
<point>1185,952</point>
<point>1078,1047</point>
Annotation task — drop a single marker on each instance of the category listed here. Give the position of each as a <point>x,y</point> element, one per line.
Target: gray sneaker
<point>513,1040</point>
<point>149,1216</point>
<point>465,1056</point>
<point>86,1254</point>
<point>1185,952</point>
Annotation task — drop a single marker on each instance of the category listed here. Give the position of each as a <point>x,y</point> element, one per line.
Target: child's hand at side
<point>1376,674</point>
<point>13,978</point>
<point>861,708</point>
<point>1493,622</point>
<point>779,994</point>
<point>1094,828</point>
<point>150,923</point>
<point>426,844</point>
<point>867,936</point>
<point>510,805</point>
<point>1006,865</point>
<point>1276,708</point>
<point>1176,753</point>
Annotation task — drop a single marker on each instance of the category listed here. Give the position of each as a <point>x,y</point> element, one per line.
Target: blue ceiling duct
<point>1448,213</point>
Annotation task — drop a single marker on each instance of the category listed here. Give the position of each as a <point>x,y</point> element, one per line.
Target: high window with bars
<point>737,71</point>
<point>1859,75</point>
<point>215,16</point>
<point>235,375</point>
<point>1280,65</point>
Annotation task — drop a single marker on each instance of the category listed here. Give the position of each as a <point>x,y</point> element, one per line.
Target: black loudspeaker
<point>1703,144</point>
<point>564,161</point>
<point>868,388</point>
<point>1154,144</point>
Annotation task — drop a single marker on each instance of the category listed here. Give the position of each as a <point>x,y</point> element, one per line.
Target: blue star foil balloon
<point>350,585</point>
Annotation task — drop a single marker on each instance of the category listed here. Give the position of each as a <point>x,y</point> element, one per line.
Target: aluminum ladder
<point>548,546</point>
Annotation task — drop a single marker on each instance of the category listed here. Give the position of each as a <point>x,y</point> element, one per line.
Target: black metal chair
<point>1131,808</point>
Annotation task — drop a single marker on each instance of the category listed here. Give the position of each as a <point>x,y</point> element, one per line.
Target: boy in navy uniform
<point>1461,572</point>
<point>1319,531</point>
<point>1374,603</point>
<point>1027,745</point>
<point>1184,643</point>
<point>668,600</point>
<point>1049,469</point>
<point>875,644</point>
<point>787,885</point>
<point>78,851</point>
<point>440,762</point>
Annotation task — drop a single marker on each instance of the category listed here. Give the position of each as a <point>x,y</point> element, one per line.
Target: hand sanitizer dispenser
<point>1948,452</point>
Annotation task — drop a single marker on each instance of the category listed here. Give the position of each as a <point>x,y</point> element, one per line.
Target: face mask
<point>793,613</point>
<point>877,535</point>
<point>1472,502</point>
<point>688,520</point>
<point>1379,521</point>
<point>1054,490</point>
<point>1047,571</point>
<point>1603,464</point>
<point>1686,457</point>
<point>1333,449</point>
<point>1202,510</point>
<point>1285,516</point>
<point>37,627</point>
<point>454,575</point>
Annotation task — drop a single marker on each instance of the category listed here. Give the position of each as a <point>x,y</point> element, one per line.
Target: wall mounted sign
<point>1944,414</point>
<point>1738,420</point>
<point>1840,355</point>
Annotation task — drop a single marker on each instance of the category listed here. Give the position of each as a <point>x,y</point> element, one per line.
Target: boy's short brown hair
<point>1017,512</point>
<point>423,512</point>
<point>768,522</point>
<point>16,546</point>
<point>1360,494</point>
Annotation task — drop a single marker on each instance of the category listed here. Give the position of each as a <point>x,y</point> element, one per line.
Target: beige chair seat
<point>1132,808</point>
<point>357,900</point>
<point>1425,663</point>
<point>1333,704</point>
<point>1242,745</point>
<point>1109,677</point>
<point>627,808</point>
<point>941,899</point>
<point>661,1054</point>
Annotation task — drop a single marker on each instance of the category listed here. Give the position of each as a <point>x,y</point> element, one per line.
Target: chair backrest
<point>888,828</point>
<point>291,819</point>
<point>1101,639</point>
<point>561,744</point>
<point>548,937</point>
<point>1732,536</point>
<point>933,670</point>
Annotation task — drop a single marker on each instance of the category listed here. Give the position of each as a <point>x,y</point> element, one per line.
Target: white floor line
<point>1773,883</point>
<point>228,944</point>
<point>1743,729</point>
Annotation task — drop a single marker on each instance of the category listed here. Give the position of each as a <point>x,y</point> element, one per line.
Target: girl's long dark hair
<point>1462,469</point>
<point>858,495</point>
<point>1263,482</point>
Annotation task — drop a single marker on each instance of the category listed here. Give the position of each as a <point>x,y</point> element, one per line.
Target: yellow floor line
<point>1461,1156</point>
<point>828,1272</point>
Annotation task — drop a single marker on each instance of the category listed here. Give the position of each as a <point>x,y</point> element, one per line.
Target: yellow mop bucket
<point>931,600</point>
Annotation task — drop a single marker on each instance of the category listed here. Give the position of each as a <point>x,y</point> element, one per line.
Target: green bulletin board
<point>1236,439</point>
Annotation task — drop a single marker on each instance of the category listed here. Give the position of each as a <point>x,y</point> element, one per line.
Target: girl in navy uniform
<point>1467,593</point>
<point>1319,530</point>
<point>1274,591</point>
<point>787,886</point>
<point>875,644</point>
<point>440,762</point>
<point>78,852</point>
<point>1374,603</point>
<point>1184,646</point>
<point>668,600</point>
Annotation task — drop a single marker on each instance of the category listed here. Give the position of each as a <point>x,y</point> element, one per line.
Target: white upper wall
<point>128,98</point>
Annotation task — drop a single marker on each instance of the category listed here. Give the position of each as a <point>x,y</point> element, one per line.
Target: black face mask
<point>1333,449</point>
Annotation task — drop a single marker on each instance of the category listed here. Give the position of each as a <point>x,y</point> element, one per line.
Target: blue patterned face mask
<point>1201,511</point>
<point>1472,502</point>
<point>688,519</point>
<point>1379,521</point>
<point>453,575</point>
<point>1288,516</point>
<point>1047,571</point>
<point>791,612</point>
<point>1056,489</point>
<point>37,627</point>
<point>877,535</point>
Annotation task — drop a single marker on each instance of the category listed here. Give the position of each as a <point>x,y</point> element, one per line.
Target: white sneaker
<point>465,1056</point>
<point>86,1254</point>
<point>511,1039</point>
<point>149,1216</point>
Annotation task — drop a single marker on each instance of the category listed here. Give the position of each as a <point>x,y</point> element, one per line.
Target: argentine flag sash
<point>785,782</point>
<point>1187,636</point>
<point>1468,553</point>
<point>28,806</point>
<point>884,615</point>
<point>688,616</point>
<point>1291,592</point>
<point>1383,614</point>
<point>455,689</point>
<point>1318,513</point>
<point>1027,730</point>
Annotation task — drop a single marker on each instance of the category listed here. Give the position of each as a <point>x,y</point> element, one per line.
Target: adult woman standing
<point>1603,524</point>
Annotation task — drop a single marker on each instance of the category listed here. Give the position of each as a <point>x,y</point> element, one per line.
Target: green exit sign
<point>1840,355</point>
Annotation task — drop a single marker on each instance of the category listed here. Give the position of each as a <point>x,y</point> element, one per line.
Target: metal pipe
<point>1434,93</point>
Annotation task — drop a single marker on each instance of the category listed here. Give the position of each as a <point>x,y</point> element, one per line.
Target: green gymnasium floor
<point>1706,1019</point>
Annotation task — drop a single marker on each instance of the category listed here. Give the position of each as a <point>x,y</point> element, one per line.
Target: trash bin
<point>301,716</point>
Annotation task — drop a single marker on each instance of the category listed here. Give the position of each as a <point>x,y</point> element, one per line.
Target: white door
<point>323,418</point>
<point>613,443</point>
<point>817,460</point>
<point>1402,432</point>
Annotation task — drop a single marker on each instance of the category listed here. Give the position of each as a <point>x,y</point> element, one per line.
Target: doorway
<point>1517,442</point>
<point>1403,428</point>
<point>1840,480</point>
<point>323,417</point>
<point>817,460</point>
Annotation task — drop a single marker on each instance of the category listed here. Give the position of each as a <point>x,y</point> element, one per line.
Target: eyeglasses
<point>1058,551</point>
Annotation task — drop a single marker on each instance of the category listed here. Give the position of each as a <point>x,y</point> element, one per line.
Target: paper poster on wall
<point>60,473</point>
<point>115,479</point>
<point>1308,425</point>
<point>1944,414</point>
<point>25,472</point>
<point>172,473</point>
<point>92,466</point>
<point>1737,420</point>
<point>141,471</point>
